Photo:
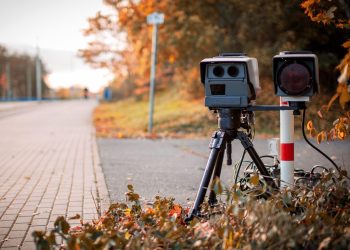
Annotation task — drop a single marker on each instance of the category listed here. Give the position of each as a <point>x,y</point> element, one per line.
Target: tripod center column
<point>229,119</point>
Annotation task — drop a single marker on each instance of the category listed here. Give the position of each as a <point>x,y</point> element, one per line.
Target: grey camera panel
<point>226,101</point>
<point>229,88</point>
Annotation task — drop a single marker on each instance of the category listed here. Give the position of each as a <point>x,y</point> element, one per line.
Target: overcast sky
<point>55,26</point>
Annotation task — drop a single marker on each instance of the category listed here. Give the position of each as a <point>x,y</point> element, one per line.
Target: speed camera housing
<point>231,80</point>
<point>295,74</point>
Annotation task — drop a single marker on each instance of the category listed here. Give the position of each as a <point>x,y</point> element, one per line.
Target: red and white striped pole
<point>286,146</point>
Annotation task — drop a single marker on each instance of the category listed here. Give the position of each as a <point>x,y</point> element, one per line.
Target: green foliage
<point>299,218</point>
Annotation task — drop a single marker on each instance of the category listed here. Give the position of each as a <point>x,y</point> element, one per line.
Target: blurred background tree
<point>121,41</point>
<point>21,69</point>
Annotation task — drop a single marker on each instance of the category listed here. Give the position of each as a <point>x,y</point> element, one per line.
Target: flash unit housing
<point>295,74</point>
<point>231,80</point>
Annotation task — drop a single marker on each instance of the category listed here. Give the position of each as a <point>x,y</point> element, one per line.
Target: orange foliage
<point>326,12</point>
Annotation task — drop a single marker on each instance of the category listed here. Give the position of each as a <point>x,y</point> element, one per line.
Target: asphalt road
<point>174,167</point>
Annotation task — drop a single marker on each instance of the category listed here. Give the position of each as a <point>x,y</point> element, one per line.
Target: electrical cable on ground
<point>317,149</point>
<point>239,166</point>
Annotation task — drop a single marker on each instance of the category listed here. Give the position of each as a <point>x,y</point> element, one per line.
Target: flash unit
<point>295,73</point>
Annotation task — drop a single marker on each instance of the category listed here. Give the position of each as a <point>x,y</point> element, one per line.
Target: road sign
<point>155,18</point>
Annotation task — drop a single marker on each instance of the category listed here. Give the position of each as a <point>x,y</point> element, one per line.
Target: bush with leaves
<point>305,217</point>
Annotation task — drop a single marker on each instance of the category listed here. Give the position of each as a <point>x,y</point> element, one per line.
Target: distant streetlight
<point>38,75</point>
<point>155,18</point>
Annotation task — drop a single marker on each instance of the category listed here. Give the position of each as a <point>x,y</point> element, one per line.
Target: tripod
<point>229,121</point>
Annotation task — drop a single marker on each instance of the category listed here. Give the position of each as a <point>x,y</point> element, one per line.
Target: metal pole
<point>8,80</point>
<point>29,82</point>
<point>152,77</point>
<point>38,78</point>
<point>286,146</point>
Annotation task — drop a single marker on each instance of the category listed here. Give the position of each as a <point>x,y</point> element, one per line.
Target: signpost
<point>155,18</point>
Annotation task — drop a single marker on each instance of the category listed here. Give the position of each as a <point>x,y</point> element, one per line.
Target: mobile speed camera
<point>231,80</point>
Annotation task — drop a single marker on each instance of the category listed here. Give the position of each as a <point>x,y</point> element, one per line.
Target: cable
<point>239,166</point>
<point>317,149</point>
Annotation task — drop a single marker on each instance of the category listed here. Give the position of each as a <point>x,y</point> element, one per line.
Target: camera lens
<point>294,78</point>
<point>218,71</point>
<point>232,71</point>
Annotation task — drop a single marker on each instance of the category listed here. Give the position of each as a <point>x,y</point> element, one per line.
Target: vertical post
<point>29,82</point>
<point>286,146</point>
<point>8,80</point>
<point>152,77</point>
<point>38,77</point>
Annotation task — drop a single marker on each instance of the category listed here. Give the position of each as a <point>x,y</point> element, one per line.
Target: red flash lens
<point>295,79</point>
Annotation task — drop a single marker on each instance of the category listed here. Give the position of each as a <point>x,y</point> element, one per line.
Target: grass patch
<point>173,117</point>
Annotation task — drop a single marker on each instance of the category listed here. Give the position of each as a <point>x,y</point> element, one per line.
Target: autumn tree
<point>19,64</point>
<point>334,14</point>
<point>121,40</point>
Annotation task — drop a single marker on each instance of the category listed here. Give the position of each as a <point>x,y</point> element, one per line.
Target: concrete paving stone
<point>4,230</point>
<point>75,209</point>
<point>15,206</point>
<point>45,206</point>
<point>29,237</point>
<point>28,210</point>
<point>42,216</point>
<point>19,201</point>
<point>39,222</point>
<point>12,242</point>
<point>25,213</point>
<point>6,224</point>
<point>12,211</point>
<point>34,199</point>
<point>37,195</point>
<point>59,207</point>
<point>21,226</point>
<point>11,195</point>
<point>28,246</point>
<point>3,204</point>
<point>61,202</point>
<point>23,220</point>
<point>8,217</point>
<point>90,216</point>
<point>89,211</point>
<point>17,234</point>
<point>2,237</point>
<point>62,197</point>
<point>58,211</point>
<point>31,204</point>
<point>76,204</point>
<point>37,228</point>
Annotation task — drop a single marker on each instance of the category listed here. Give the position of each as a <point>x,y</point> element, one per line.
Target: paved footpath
<point>49,166</point>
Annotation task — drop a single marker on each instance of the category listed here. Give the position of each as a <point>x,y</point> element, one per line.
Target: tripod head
<point>230,120</point>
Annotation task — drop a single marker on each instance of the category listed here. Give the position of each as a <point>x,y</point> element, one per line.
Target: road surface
<point>174,167</point>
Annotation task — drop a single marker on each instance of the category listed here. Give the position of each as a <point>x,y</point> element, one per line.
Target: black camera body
<point>295,74</point>
<point>231,80</point>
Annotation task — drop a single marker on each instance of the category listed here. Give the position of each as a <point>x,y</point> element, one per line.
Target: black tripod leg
<point>247,144</point>
<point>217,172</point>
<point>216,143</point>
